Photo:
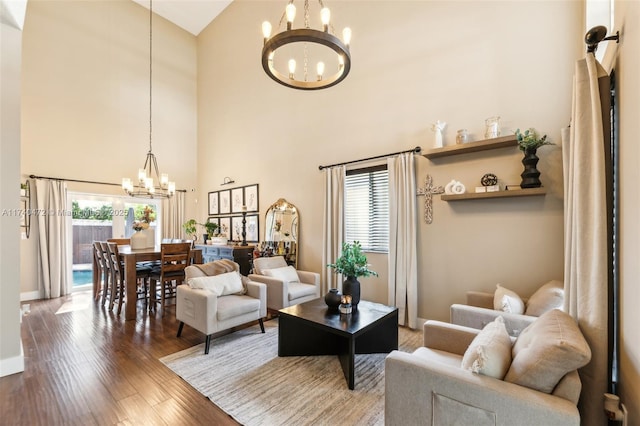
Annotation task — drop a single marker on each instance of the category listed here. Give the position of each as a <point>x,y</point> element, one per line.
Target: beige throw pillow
<point>490,351</point>
<point>220,285</point>
<point>286,273</point>
<point>506,300</point>
<point>549,296</point>
<point>546,350</point>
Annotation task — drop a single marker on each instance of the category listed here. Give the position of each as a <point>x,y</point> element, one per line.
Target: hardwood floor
<point>90,367</point>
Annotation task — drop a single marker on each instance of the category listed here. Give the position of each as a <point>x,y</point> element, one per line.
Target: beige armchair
<point>430,385</point>
<point>481,308</point>
<point>214,299</point>
<point>286,286</point>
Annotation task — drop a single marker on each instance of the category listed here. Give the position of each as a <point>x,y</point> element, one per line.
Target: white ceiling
<point>190,15</point>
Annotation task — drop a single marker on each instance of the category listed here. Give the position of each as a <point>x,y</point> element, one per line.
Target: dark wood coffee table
<point>312,329</point>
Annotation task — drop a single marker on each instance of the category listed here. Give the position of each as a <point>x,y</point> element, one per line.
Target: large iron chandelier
<point>315,43</point>
<point>146,186</point>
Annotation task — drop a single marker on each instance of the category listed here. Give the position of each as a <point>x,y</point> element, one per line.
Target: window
<point>367,208</point>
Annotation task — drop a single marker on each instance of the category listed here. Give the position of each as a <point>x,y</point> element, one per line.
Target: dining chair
<point>117,270</point>
<point>103,280</point>
<point>111,290</point>
<point>174,258</point>
<point>120,241</point>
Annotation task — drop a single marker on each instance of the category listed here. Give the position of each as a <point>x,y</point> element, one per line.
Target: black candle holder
<point>244,228</point>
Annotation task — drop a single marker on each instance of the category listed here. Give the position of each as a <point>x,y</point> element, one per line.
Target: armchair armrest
<point>415,388</point>
<point>480,299</point>
<point>197,308</point>
<point>448,337</point>
<point>309,277</point>
<point>474,317</point>
<point>279,290</point>
<point>258,291</point>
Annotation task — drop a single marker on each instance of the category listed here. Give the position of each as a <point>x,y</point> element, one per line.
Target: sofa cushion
<point>546,350</point>
<point>220,285</point>
<point>233,306</point>
<point>506,300</point>
<point>549,296</point>
<point>490,351</point>
<point>286,273</point>
<point>298,290</point>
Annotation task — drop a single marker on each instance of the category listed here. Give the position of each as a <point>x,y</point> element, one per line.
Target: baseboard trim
<point>31,295</point>
<point>12,365</point>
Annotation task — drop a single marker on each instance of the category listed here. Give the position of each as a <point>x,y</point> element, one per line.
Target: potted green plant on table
<point>529,142</point>
<point>210,230</point>
<point>190,228</point>
<point>352,264</point>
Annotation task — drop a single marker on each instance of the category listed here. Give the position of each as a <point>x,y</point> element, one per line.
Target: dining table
<point>130,257</point>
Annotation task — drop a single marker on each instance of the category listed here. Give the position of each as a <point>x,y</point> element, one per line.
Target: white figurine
<point>438,127</point>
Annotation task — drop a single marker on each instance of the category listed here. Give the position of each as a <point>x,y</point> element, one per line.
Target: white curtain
<point>403,258</point>
<point>53,260</point>
<point>333,226</point>
<point>173,216</point>
<point>586,261</point>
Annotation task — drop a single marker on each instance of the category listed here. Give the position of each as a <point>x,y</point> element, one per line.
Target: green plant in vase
<point>352,264</point>
<point>189,228</point>
<point>210,230</point>
<point>529,142</point>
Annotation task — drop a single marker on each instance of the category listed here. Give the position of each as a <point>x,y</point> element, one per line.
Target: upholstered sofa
<point>216,297</point>
<point>456,377</point>
<point>481,308</point>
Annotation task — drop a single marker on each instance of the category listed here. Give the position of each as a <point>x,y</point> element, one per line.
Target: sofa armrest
<point>258,291</point>
<point>413,384</point>
<point>197,308</point>
<point>480,299</point>
<point>474,317</point>
<point>448,337</point>
<point>307,277</point>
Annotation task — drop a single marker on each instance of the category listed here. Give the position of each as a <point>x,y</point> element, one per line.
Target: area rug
<point>243,375</point>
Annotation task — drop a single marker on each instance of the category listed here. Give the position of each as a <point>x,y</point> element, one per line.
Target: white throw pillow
<point>220,285</point>
<point>548,297</point>
<point>286,273</point>
<point>489,353</point>
<point>506,300</point>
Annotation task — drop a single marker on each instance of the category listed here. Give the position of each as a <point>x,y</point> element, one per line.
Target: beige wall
<point>627,20</point>
<point>413,63</point>
<point>85,98</point>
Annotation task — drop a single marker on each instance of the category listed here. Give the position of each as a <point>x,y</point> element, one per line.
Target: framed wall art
<point>214,203</point>
<point>225,202</point>
<point>251,197</point>
<point>252,227</point>
<point>237,200</point>
<point>225,226</point>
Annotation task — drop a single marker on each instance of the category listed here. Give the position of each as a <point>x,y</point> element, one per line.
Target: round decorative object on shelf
<point>489,179</point>
<point>333,298</point>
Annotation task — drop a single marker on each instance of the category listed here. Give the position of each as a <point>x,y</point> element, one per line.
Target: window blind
<point>367,208</point>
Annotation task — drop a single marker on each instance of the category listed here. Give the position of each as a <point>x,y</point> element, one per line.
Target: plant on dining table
<point>147,216</point>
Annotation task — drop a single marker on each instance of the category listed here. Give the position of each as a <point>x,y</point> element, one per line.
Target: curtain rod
<point>417,149</point>
<point>85,181</point>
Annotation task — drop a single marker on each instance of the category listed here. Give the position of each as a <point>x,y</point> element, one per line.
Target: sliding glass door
<point>99,217</point>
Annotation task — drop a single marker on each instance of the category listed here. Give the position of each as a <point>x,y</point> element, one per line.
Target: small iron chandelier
<point>308,37</point>
<point>146,184</point>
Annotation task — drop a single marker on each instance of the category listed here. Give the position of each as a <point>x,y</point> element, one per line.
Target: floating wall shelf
<point>465,148</point>
<point>498,194</point>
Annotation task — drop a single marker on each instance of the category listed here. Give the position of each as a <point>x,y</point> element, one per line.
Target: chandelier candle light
<point>146,183</point>
<point>308,37</point>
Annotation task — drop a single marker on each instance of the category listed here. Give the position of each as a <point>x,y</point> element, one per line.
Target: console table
<point>239,254</point>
